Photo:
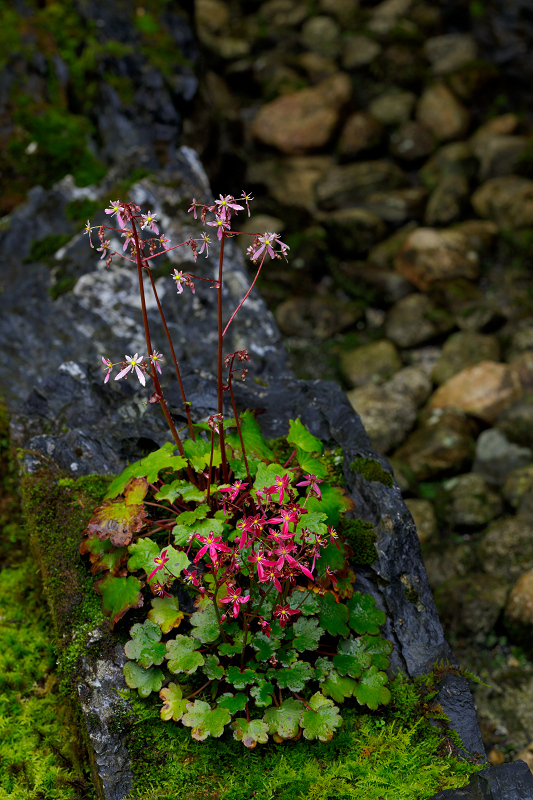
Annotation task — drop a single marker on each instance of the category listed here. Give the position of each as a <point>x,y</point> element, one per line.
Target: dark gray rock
<point>512,781</point>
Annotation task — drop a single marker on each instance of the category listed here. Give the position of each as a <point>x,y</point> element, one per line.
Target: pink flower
<point>206,241</point>
<point>160,562</point>
<point>133,363</point>
<point>280,483</point>
<point>234,490</point>
<point>116,208</point>
<point>155,358</point>
<point>127,239</point>
<point>272,574</point>
<point>190,577</point>
<point>312,481</point>
<point>109,366</point>
<point>266,243</point>
<point>220,224</point>
<point>284,613</point>
<point>226,203</point>
<point>104,248</point>
<point>234,597</point>
<point>284,552</point>
<point>333,536</point>
<point>213,544</point>
<point>261,562</point>
<point>180,279</point>
<point>164,242</point>
<point>246,197</point>
<point>148,221</point>
<point>159,590</point>
<point>265,627</point>
<point>88,230</point>
<point>193,207</point>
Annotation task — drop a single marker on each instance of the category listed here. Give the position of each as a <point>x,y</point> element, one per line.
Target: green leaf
<point>286,657</point>
<point>148,467</point>
<point>254,442</point>
<point>190,517</point>
<point>104,555</point>
<point>310,465</point>
<point>177,561</point>
<point>202,528</point>
<point>334,616</point>
<point>199,453</point>
<point>262,694</point>
<point>119,595</point>
<point>182,656</point>
<point>364,616</point>
<point>145,645</point>
<point>300,437</point>
<point>233,702</point>
<point>307,605</point>
<point>204,720</point>
<point>379,649</point>
<point>352,658</point>
<point>323,667</point>
<point>205,625</point>
<point>117,520</point>
<point>144,680</point>
<point>166,613</point>
<point>333,502</point>
<point>238,467</point>
<point>240,679</point>
<point>203,426</point>
<point>307,634</point>
<point>250,733</point>
<point>227,649</point>
<point>173,706</point>
<point>285,720</point>
<point>212,669</point>
<point>266,475</point>
<point>295,677</point>
<point>142,554</point>
<point>313,521</point>
<point>265,647</point>
<point>333,557</point>
<point>371,690</point>
<point>322,721</point>
<point>338,687</point>
<point>181,488</point>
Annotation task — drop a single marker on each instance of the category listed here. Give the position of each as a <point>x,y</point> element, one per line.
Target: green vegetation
<point>42,249</point>
<point>361,537</point>
<point>396,754</point>
<point>372,470</point>
<point>40,750</point>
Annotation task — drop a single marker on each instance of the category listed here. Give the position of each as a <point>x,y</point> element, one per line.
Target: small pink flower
<point>160,562</point>
<point>116,208</point>
<point>88,230</point>
<point>284,613</point>
<point>180,279</point>
<point>109,366</point>
<point>313,482</point>
<point>234,597</point>
<point>190,577</point>
<point>266,243</point>
<point>133,363</point>
<point>127,239</point>
<point>212,543</point>
<point>148,221</point>
<point>265,627</point>
<point>220,224</point>
<point>206,241</point>
<point>226,203</point>
<point>164,242</point>
<point>155,358</point>
<point>246,197</point>
<point>234,490</point>
<point>159,590</point>
<point>281,484</point>
<point>104,248</point>
<point>193,207</point>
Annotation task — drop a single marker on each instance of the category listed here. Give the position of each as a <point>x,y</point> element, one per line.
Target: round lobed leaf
<point>145,645</point>
<point>144,680</point>
<point>182,656</point>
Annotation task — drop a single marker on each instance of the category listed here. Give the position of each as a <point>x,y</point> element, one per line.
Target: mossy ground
<point>394,754</point>
<point>41,754</point>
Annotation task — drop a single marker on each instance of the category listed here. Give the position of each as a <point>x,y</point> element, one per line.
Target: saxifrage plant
<point>252,529</point>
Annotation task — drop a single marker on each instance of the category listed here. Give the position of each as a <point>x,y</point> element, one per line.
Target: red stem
<point>155,379</point>
<point>244,298</point>
<point>224,464</point>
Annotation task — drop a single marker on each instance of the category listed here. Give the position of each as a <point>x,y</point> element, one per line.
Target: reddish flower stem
<point>245,296</point>
<point>224,464</point>
<point>155,379</point>
<point>174,359</point>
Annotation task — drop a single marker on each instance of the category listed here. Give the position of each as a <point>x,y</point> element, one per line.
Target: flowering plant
<point>240,545</point>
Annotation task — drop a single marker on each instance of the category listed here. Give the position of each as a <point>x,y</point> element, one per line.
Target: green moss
<point>81,210</point>
<point>394,754</point>
<point>40,749</point>
<point>361,537</point>
<point>372,470</point>
<point>42,249</point>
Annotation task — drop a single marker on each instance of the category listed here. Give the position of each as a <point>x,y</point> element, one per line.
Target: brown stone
<point>430,255</point>
<point>415,319</point>
<point>375,362</point>
<point>412,141</point>
<point>304,120</point>
<point>442,113</point>
<point>507,200</point>
<point>291,181</point>
<point>483,390</point>
<point>424,518</point>
<point>519,609</point>
<point>361,132</point>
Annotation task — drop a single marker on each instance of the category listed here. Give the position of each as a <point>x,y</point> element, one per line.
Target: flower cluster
<point>138,365</point>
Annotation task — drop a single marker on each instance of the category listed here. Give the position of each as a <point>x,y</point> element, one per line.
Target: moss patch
<point>396,754</point>
<point>40,747</point>
<point>361,537</point>
<point>372,470</point>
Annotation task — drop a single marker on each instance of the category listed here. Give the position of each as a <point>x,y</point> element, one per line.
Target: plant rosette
<point>278,637</point>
